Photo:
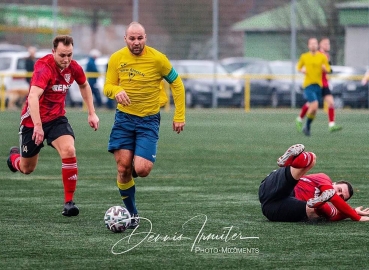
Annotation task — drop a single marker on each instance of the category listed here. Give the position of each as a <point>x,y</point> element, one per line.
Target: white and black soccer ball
<point>117,219</point>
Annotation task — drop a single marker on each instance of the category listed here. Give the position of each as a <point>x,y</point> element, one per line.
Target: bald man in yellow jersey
<point>134,79</point>
<point>312,64</point>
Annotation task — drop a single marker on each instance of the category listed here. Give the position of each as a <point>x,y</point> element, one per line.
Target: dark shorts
<point>277,197</point>
<point>326,91</point>
<point>138,134</point>
<point>52,130</point>
<point>313,92</point>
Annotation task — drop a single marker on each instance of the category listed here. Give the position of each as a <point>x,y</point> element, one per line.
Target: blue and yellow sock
<point>310,118</point>
<point>127,192</point>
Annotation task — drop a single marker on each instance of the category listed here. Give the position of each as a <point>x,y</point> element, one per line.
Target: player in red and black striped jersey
<point>288,194</point>
<point>324,48</point>
<point>43,117</point>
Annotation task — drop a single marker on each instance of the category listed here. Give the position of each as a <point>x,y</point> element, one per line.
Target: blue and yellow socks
<point>310,118</point>
<point>127,192</point>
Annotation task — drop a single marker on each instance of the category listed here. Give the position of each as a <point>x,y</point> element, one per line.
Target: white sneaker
<point>292,152</point>
<point>326,195</point>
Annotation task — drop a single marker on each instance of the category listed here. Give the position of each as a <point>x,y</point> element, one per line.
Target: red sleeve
<point>330,212</point>
<point>344,208</point>
<point>79,75</point>
<point>41,75</point>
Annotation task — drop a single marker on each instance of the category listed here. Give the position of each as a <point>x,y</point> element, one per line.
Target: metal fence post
<point>247,93</point>
<point>135,11</point>
<point>215,52</point>
<point>2,93</point>
<point>293,53</point>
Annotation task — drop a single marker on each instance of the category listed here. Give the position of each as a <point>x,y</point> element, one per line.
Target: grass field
<point>203,186</point>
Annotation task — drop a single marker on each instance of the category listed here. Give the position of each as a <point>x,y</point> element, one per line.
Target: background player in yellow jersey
<point>312,64</point>
<point>134,79</point>
<point>324,48</point>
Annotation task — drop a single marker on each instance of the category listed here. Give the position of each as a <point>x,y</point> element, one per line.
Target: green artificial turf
<point>200,200</point>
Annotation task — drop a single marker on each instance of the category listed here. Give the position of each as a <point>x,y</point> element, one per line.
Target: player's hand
<point>178,126</point>
<point>364,218</point>
<point>93,121</point>
<point>38,134</point>
<point>303,70</point>
<point>362,212</point>
<point>122,98</point>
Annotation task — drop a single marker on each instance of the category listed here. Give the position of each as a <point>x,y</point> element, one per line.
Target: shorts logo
<point>67,77</point>
<point>24,148</point>
<point>153,156</point>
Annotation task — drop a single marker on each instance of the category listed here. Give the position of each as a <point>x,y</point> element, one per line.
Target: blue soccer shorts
<point>138,134</point>
<point>313,92</point>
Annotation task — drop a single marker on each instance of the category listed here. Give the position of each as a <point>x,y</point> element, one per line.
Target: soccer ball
<point>117,219</point>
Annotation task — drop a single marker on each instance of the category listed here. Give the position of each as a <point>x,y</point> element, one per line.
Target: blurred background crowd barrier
<point>249,34</point>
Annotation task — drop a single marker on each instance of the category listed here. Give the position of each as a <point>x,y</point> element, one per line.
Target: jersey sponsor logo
<point>131,72</point>
<point>131,75</point>
<point>135,71</point>
<point>67,77</point>
<point>60,88</point>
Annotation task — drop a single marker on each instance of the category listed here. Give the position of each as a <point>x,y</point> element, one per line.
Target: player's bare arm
<point>122,98</point>
<point>93,119</point>
<point>34,106</point>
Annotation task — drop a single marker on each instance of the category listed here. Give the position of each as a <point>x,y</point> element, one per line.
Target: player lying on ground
<point>288,194</point>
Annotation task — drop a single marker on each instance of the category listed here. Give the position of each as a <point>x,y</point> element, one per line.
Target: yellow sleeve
<point>300,63</point>
<point>163,98</point>
<point>177,88</point>
<point>111,86</point>
<point>178,93</point>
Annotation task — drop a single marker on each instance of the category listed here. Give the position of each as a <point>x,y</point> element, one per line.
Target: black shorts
<point>277,199</point>
<point>326,91</point>
<point>52,130</point>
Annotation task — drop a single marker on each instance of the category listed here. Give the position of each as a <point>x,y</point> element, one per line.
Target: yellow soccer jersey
<point>141,77</point>
<point>163,98</point>
<point>313,65</point>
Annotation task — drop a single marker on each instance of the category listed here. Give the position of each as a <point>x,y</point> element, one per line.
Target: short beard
<point>134,52</point>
